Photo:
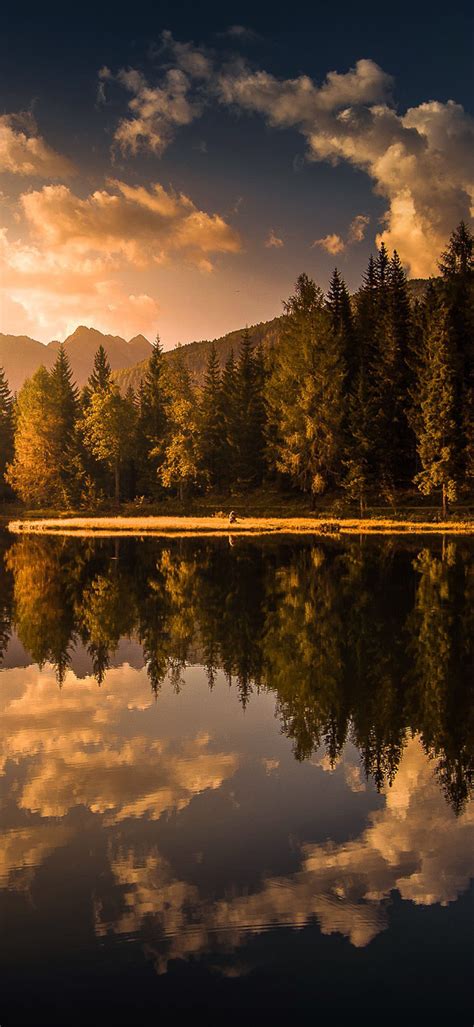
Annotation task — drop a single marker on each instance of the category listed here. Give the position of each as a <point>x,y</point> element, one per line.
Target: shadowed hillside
<point>195,354</point>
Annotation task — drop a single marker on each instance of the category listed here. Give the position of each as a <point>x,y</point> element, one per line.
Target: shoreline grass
<point>140,525</point>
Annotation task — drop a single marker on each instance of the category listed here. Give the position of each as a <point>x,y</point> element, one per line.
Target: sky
<point>173,170</point>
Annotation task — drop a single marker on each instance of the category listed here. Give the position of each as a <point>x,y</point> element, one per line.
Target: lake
<point>236,775</point>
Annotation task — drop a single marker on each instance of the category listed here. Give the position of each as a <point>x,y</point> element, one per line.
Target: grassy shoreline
<point>101,526</point>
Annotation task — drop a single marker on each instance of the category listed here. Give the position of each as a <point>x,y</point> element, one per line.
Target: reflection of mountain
<point>354,641</point>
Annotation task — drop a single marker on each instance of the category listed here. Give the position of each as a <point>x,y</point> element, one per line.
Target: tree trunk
<point>445,501</point>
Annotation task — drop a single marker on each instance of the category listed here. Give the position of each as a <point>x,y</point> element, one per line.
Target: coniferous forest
<point>365,396</point>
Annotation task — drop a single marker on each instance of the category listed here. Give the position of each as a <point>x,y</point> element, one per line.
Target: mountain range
<point>20,356</point>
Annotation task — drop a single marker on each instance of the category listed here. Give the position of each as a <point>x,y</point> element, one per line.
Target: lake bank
<point>156,526</point>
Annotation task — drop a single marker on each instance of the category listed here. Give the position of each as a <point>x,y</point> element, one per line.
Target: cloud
<point>357,229</point>
<point>334,243</point>
<point>136,224</point>
<point>331,243</point>
<point>24,152</point>
<point>420,161</point>
<point>157,111</point>
<point>273,241</point>
<point>66,268</point>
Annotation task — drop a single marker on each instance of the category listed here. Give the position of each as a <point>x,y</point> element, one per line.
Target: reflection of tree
<point>42,606</point>
<point>441,642</point>
<point>358,639</point>
<point>5,600</point>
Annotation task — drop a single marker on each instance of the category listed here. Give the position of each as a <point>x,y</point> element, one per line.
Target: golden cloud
<point>24,152</point>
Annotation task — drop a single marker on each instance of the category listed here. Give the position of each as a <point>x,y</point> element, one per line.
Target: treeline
<point>355,641</point>
<point>362,397</point>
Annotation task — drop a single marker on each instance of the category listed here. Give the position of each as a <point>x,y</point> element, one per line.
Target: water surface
<point>236,776</point>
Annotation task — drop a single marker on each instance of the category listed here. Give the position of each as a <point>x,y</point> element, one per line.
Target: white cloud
<point>421,161</point>
<point>24,152</point>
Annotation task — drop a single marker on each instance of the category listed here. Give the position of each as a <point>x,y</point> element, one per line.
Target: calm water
<point>235,777</point>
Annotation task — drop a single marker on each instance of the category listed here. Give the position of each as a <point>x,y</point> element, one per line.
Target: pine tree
<point>100,375</point>
<point>66,402</point>
<point>181,466</point>
<point>305,394</point>
<point>250,416</point>
<point>212,424</point>
<point>229,401</point>
<point>457,288</point>
<point>6,429</point>
<point>152,421</point>
<point>437,431</point>
<point>338,303</point>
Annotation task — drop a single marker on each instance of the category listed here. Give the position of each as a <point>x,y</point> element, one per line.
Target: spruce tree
<point>212,423</point>
<point>100,375</point>
<point>250,416</point>
<point>305,394</point>
<point>152,421</point>
<point>457,289</point>
<point>437,436</point>
<point>229,401</point>
<point>6,429</point>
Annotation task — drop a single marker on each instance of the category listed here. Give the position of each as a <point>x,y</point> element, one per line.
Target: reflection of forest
<point>364,640</point>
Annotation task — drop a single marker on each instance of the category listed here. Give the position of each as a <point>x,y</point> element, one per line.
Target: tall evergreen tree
<point>457,287</point>
<point>229,401</point>
<point>212,423</point>
<point>152,421</point>
<point>100,375</point>
<point>305,394</point>
<point>437,430</point>
<point>250,416</point>
<point>6,429</point>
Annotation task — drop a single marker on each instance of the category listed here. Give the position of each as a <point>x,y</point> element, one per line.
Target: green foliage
<point>109,426</point>
<point>306,393</point>
<point>437,431</point>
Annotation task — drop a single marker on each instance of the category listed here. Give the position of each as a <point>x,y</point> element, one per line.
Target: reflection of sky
<point>212,831</point>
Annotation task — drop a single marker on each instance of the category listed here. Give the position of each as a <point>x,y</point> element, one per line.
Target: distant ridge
<point>21,356</point>
<point>194,355</point>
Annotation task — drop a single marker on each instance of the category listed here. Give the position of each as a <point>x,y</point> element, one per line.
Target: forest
<point>364,397</point>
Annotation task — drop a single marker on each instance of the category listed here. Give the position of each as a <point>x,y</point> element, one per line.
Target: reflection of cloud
<point>83,758</point>
<point>414,844</point>
<point>23,849</point>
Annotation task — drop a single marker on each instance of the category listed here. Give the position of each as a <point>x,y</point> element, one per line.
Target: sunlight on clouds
<point>24,152</point>
<point>66,270</point>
